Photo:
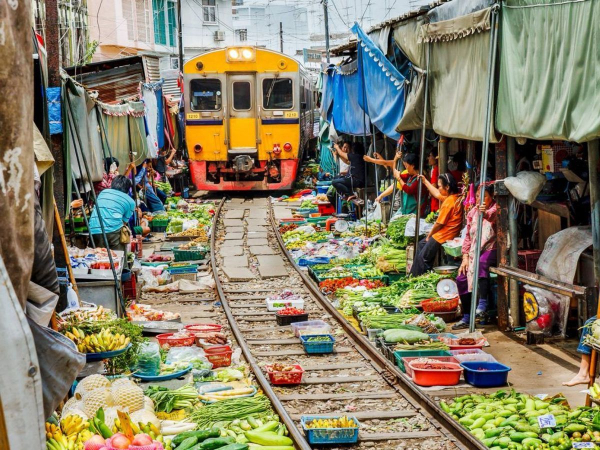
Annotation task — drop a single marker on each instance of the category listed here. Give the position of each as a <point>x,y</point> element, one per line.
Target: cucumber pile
<point>509,420</point>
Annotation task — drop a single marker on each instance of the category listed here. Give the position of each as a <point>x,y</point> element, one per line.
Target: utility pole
<point>326,19</point>
<point>281,37</point>
<point>180,36</point>
<point>52,43</point>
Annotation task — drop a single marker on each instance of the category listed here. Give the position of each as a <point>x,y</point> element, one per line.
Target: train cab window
<point>278,93</point>
<point>206,94</point>
<point>242,97</point>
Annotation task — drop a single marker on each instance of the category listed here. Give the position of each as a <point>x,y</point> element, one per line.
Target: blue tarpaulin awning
<point>381,86</point>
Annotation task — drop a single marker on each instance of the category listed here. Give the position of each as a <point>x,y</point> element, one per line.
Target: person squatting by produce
<point>446,227</point>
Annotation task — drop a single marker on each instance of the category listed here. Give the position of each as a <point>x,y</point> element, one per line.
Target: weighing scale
<point>447,288</point>
<point>341,224</point>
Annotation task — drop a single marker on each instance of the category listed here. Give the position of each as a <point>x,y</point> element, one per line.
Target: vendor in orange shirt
<point>446,227</point>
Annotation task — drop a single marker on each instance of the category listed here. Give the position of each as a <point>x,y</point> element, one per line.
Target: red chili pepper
<point>290,311</point>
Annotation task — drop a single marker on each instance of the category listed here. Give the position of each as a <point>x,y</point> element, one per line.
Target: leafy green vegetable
<point>396,230</point>
<point>167,400</point>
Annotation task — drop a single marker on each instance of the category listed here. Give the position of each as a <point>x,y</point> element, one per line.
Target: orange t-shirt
<point>451,217</point>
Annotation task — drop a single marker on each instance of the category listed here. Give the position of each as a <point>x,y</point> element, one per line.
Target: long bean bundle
<point>228,410</point>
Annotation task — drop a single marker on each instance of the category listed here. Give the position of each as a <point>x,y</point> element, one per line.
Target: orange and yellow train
<point>249,113</point>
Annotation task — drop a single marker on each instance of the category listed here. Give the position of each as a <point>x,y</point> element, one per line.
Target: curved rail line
<point>433,410</point>
<point>417,404</point>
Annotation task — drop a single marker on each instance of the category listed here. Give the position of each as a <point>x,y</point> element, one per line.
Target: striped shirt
<point>116,208</point>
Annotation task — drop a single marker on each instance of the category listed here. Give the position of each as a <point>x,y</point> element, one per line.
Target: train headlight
<point>287,147</point>
<point>234,53</point>
<point>197,148</point>
<point>247,53</point>
<point>240,54</point>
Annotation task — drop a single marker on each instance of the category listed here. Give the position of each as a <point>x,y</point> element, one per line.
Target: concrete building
<point>133,27</point>
<point>207,24</point>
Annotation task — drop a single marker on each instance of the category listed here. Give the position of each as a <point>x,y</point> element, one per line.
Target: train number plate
<point>291,115</point>
<point>193,116</point>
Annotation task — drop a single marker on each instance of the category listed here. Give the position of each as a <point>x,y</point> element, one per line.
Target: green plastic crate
<point>417,354</point>
<point>193,254</point>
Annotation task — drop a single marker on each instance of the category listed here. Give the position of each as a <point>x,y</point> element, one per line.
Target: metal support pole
<point>470,160</point>
<point>513,286</point>
<point>326,20</point>
<point>593,149</point>
<point>443,156</point>
<point>422,155</point>
<point>484,161</point>
<point>281,37</point>
<point>180,36</point>
<point>85,218</point>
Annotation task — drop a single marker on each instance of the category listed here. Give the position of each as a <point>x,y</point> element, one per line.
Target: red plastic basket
<point>444,359</point>
<point>528,259</point>
<point>287,377</point>
<point>447,305</point>
<point>203,328</point>
<point>167,340</point>
<point>130,288</point>
<point>219,355</point>
<point>436,374</point>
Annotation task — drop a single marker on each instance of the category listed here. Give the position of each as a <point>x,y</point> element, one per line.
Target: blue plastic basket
<point>313,261</point>
<point>319,346</point>
<point>485,374</point>
<point>183,269</point>
<point>329,435</point>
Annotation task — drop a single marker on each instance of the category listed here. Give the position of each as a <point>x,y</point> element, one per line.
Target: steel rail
<point>422,402</point>
<point>296,436</point>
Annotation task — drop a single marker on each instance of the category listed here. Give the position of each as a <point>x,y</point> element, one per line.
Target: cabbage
<point>229,375</point>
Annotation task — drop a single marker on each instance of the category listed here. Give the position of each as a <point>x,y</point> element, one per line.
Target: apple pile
<point>121,442</point>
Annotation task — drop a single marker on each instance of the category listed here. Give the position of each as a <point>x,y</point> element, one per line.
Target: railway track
<point>249,263</point>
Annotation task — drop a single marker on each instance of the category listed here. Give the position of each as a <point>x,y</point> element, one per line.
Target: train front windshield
<point>206,94</point>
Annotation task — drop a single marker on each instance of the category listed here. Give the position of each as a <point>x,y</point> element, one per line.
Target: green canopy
<point>549,84</point>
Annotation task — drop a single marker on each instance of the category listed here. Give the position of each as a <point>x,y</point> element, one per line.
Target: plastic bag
<point>306,229</point>
<point>545,311</point>
<point>526,186</point>
<point>148,359</point>
<point>375,214</point>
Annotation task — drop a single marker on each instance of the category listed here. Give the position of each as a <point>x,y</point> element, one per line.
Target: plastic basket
<point>372,333</point>
<point>219,355</point>
<point>455,252</point>
<point>326,209</point>
<point>407,361</point>
<point>313,261</point>
<point>472,354</point>
<point>157,228</point>
<point>485,374</point>
<point>188,268</point>
<point>399,355</point>
<point>276,305</point>
<point>436,374</point>
<point>447,305</point>
<point>283,320</point>
<point>189,254</point>
<point>528,259</point>
<point>316,327</point>
<point>203,328</point>
<point>329,435</point>
<point>167,341</point>
<point>319,346</point>
<point>288,377</point>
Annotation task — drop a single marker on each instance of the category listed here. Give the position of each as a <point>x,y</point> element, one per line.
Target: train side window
<point>206,94</point>
<point>242,98</point>
<point>278,93</point>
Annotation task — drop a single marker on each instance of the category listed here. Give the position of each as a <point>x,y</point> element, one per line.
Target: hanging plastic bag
<point>545,311</point>
<point>526,186</point>
<point>375,214</point>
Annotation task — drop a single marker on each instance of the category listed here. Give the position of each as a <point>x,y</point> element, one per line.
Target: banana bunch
<point>151,430</point>
<point>340,422</point>
<point>104,341</point>
<point>62,443</point>
<point>53,431</point>
<point>595,391</point>
<point>73,424</point>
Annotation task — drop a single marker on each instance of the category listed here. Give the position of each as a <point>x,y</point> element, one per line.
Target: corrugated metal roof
<point>115,80</point>
<point>152,66</point>
<point>170,86</point>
